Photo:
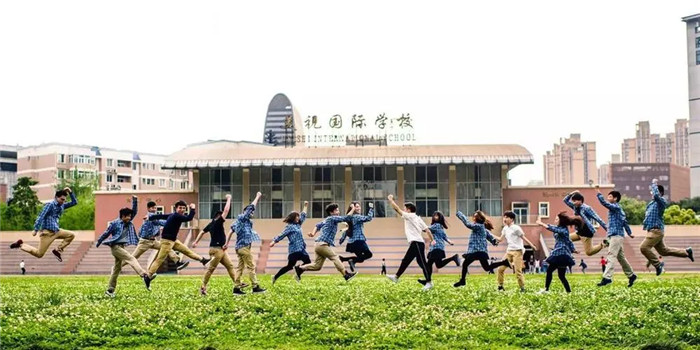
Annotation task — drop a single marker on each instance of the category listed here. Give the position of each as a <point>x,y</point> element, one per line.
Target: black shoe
<point>604,282</point>
<point>57,254</point>
<point>205,261</point>
<point>297,273</point>
<point>460,283</point>
<point>181,265</point>
<point>689,250</point>
<point>659,270</point>
<point>351,263</point>
<point>258,290</point>
<point>631,280</point>
<point>457,260</point>
<point>147,281</point>
<point>423,282</point>
<point>350,275</point>
<point>238,291</point>
<point>522,290</point>
<point>16,244</point>
<point>501,289</point>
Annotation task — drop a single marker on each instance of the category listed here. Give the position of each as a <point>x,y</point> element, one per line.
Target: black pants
<point>291,261</point>
<point>483,258</point>
<point>437,257</point>
<point>603,266</point>
<point>23,270</point>
<point>416,250</point>
<point>561,271</point>
<point>361,251</point>
<point>383,270</point>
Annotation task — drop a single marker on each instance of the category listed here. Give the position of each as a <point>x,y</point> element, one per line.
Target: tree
<point>690,203</point>
<point>22,210</point>
<point>81,216</point>
<point>634,209</point>
<point>674,215</point>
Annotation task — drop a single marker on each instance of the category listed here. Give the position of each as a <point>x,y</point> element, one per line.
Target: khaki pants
<point>245,261</point>
<point>166,246</point>
<point>587,244</point>
<point>146,244</point>
<point>324,251</point>
<point>121,257</point>
<point>46,238</point>
<point>617,252</point>
<point>515,258</point>
<point>655,239</point>
<point>218,255</point>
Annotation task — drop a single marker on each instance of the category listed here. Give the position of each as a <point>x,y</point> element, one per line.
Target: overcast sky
<point>155,76</point>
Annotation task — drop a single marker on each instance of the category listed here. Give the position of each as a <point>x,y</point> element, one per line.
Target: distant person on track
<point>21,267</point>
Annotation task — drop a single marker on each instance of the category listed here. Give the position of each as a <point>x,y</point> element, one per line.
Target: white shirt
<point>514,236</point>
<point>414,227</point>
<point>21,265</point>
<point>537,263</point>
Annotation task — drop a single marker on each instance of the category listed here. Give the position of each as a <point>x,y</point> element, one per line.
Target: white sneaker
<point>109,294</point>
<point>393,278</point>
<point>542,291</point>
<point>428,286</point>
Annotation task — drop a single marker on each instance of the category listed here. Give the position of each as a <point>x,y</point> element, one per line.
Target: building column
<point>297,187</point>
<point>246,187</point>
<point>400,198</point>
<point>452,187</point>
<point>348,188</point>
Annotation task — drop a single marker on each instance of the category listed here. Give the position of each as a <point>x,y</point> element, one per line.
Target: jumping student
<point>245,236</point>
<point>324,244</point>
<point>616,235</point>
<point>217,246</point>
<point>516,239</point>
<point>436,253</point>
<point>47,224</point>
<point>296,251</point>
<point>169,241</point>
<point>414,226</point>
<point>355,234</point>
<point>477,249</point>
<point>122,233</point>
<point>148,233</point>
<point>654,225</point>
<point>561,256</point>
<point>575,201</point>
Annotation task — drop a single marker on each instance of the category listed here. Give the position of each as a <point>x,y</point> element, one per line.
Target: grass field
<point>68,312</point>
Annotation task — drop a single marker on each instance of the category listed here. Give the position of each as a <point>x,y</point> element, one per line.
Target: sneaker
<point>393,278</point>
<point>147,281</point>
<point>423,282</point>
<point>606,243</point>
<point>205,261</point>
<point>16,244</point>
<point>542,291</point>
<point>350,275</point>
<point>297,273</point>
<point>203,291</point>
<point>274,278</point>
<point>460,283</point>
<point>501,289</point>
<point>659,269</point>
<point>604,282</point>
<point>428,286</point>
<point>259,290</point>
<point>689,250</point>
<point>631,280</point>
<point>110,293</point>
<point>181,265</point>
<point>458,261</point>
<point>57,254</point>
<point>522,290</point>
<point>238,291</point>
<point>351,263</point>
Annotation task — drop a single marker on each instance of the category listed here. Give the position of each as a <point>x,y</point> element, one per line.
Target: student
<point>436,253</point>
<point>477,249</point>
<point>583,266</point>
<point>47,223</point>
<point>355,234</point>
<point>616,235</point>
<point>383,267</point>
<point>217,246</point>
<point>561,256</point>
<point>537,266</point>
<point>516,239</point>
<point>575,201</point>
<point>169,241</point>
<point>245,236</point>
<point>603,262</point>
<point>296,251</point>
<point>654,225</point>
<point>414,226</point>
<point>147,237</point>
<point>21,267</point>
<point>324,244</point>
<point>122,233</point>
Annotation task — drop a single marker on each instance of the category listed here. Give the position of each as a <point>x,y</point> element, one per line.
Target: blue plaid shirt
<point>654,217</point>
<point>151,229</point>
<point>585,212</point>
<point>440,237</point>
<point>617,220</point>
<point>52,211</point>
<point>563,245</point>
<point>296,237</point>
<point>329,228</point>
<point>246,236</point>
<point>479,236</point>
<point>358,227</point>
<point>122,233</point>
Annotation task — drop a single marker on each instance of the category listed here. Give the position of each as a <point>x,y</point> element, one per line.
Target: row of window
<point>522,212</point>
<point>75,158</point>
<point>75,174</point>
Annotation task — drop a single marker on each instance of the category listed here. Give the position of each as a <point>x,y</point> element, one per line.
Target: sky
<point>156,76</point>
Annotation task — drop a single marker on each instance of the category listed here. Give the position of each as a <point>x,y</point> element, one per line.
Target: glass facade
<point>372,184</point>
<point>277,187</point>
<point>428,188</point>
<point>214,184</point>
<point>322,186</point>
<point>479,188</point>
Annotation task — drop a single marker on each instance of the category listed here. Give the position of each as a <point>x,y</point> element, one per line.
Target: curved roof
<point>223,153</point>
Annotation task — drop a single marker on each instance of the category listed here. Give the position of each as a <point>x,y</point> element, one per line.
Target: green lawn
<point>68,312</point>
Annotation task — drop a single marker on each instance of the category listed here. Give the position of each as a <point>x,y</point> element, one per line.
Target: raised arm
<point>227,208</point>
<point>368,217</point>
<point>393,204</point>
<point>190,216</point>
<point>465,220</point>
<point>73,200</point>
<point>134,206</point>
<point>656,193</point>
<point>567,200</point>
<point>605,203</point>
<point>302,216</point>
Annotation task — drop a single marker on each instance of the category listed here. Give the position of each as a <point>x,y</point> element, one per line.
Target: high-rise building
<point>693,40</point>
<point>654,148</point>
<point>282,122</point>
<point>8,168</point>
<point>571,162</point>
<point>681,151</point>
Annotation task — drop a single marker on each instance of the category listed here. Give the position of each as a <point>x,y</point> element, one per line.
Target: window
<point>160,209</point>
<point>61,174</point>
<point>183,172</point>
<point>521,209</point>
<point>80,159</point>
<point>697,57</point>
<point>161,183</point>
<point>110,162</point>
<point>543,209</point>
<point>278,185</point>
<point>123,164</point>
<point>479,188</point>
<point>427,186</point>
<point>372,184</point>
<point>133,187</point>
<point>147,181</point>
<point>61,158</point>
<point>697,42</point>
<point>110,178</point>
<point>171,184</point>
<point>214,184</point>
<point>122,179</point>
<point>133,166</point>
<point>184,185</point>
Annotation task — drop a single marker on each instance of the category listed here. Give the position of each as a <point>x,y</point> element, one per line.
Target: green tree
<point>674,215</point>
<point>634,209</point>
<point>81,216</point>
<point>690,203</point>
<point>21,213</point>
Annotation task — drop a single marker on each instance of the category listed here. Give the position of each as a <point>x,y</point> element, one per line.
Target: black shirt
<point>216,229</point>
<point>172,223</point>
